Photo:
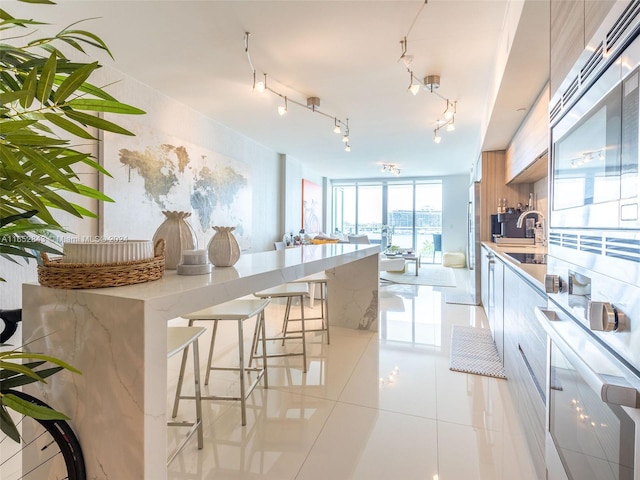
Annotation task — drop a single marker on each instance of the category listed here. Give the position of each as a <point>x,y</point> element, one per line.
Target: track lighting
<point>261,85</point>
<point>282,109</point>
<point>430,83</point>
<point>391,168</point>
<point>312,103</point>
<point>406,59</point>
<point>345,137</point>
<point>347,148</point>
<point>413,87</point>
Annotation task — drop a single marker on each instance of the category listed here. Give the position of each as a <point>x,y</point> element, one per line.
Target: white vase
<point>178,235</point>
<point>223,247</point>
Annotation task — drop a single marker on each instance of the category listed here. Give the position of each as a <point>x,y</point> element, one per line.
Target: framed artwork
<point>155,171</point>
<point>311,207</point>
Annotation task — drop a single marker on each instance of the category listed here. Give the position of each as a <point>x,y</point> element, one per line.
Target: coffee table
<point>413,258</point>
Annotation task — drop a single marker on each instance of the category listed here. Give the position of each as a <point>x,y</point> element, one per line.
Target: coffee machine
<point>508,228</point>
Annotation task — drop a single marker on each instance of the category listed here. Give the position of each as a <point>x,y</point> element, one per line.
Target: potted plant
<point>47,106</point>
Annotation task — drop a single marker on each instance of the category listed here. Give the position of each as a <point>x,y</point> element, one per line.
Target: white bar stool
<point>288,291</point>
<point>178,340</point>
<point>239,311</point>
<point>320,280</point>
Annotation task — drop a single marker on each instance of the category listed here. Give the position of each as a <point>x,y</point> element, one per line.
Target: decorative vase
<point>178,235</point>
<point>223,247</point>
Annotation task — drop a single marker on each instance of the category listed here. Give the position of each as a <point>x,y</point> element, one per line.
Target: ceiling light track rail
<point>430,83</point>
<point>312,103</point>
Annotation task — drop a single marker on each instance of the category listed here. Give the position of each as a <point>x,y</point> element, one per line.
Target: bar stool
<point>178,340</point>
<point>288,291</point>
<point>320,280</point>
<point>239,311</point>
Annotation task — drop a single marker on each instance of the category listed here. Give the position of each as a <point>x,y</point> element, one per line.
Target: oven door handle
<point>611,389</point>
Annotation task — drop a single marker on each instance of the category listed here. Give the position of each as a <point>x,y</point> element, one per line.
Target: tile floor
<point>380,405</point>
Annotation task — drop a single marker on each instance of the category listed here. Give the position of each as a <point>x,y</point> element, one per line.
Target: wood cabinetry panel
<point>567,39</point>
<point>493,188</point>
<point>594,12</point>
<point>530,141</point>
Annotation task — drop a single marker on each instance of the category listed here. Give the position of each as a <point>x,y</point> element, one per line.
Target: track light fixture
<point>413,87</point>
<point>392,168</point>
<point>312,103</point>
<point>282,109</point>
<point>430,83</point>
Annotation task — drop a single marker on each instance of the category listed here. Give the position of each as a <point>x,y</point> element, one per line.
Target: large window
<point>406,214</point>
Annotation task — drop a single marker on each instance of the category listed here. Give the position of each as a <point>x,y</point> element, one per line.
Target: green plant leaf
<point>30,409</point>
<point>14,218</point>
<point>19,381</point>
<point>14,125</point>
<point>14,355</point>
<point>47,2</point>
<point>97,105</point>
<point>87,88</point>
<point>45,166</point>
<point>6,424</point>
<point>68,125</point>
<point>10,97</point>
<point>32,139</point>
<point>73,81</point>
<point>9,374</point>
<point>97,122</point>
<point>29,85</point>
<point>46,78</point>
<point>19,368</point>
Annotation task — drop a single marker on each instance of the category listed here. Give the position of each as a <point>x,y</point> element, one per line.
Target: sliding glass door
<point>409,212</point>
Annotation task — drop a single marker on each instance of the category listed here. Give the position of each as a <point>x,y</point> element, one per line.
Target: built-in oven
<point>593,421</point>
<point>593,375</point>
<point>595,179</point>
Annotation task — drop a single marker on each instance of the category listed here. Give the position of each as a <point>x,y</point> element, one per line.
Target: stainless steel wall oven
<point>592,318</point>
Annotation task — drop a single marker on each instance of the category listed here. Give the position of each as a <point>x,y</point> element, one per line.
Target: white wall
<point>192,127</point>
<point>455,200</point>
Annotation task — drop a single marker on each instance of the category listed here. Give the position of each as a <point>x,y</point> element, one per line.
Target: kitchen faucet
<point>542,221</point>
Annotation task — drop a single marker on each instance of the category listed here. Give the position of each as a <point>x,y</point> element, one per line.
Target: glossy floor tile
<point>378,405</point>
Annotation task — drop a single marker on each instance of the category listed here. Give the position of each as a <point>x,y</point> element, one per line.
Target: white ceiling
<point>346,53</point>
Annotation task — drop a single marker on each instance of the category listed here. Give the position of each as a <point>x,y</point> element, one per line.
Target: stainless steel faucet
<point>541,219</point>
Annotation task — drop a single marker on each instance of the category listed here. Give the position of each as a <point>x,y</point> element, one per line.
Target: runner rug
<point>474,351</point>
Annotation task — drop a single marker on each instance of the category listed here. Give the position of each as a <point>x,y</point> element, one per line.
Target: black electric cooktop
<point>520,257</point>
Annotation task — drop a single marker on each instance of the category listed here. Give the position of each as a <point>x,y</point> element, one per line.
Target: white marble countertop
<point>252,272</point>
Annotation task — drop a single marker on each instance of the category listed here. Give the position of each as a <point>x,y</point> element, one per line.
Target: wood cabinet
<point>525,157</point>
<point>493,188</point>
<point>573,25</point>
<point>567,39</point>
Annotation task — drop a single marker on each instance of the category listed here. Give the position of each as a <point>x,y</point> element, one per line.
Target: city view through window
<point>403,215</point>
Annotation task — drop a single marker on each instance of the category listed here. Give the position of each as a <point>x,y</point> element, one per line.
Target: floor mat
<point>473,351</point>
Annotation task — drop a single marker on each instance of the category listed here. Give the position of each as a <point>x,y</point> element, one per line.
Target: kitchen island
<point>117,338</point>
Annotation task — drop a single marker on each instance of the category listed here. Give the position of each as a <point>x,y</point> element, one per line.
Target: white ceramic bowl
<point>107,251</point>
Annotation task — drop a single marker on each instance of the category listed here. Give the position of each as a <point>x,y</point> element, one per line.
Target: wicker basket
<point>55,274</point>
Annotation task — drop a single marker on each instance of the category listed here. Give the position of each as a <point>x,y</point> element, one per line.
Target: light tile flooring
<point>380,405</point>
